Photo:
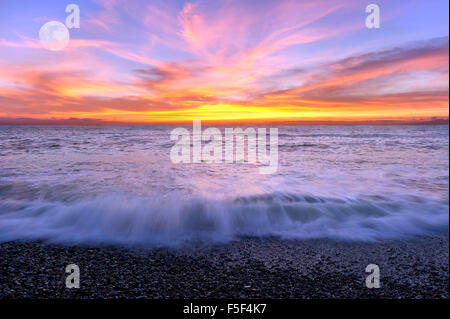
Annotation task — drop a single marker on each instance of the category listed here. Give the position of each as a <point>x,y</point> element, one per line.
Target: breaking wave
<point>171,220</point>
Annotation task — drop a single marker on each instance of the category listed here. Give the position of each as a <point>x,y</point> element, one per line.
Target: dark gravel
<point>248,268</point>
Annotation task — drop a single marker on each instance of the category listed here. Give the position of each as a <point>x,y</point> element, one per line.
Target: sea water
<point>117,185</point>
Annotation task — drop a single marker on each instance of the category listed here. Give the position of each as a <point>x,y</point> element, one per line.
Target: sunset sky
<point>247,60</point>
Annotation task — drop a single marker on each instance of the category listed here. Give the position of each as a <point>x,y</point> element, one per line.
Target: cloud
<point>368,77</point>
<point>108,17</point>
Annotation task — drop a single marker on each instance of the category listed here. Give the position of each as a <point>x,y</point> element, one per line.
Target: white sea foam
<point>170,221</point>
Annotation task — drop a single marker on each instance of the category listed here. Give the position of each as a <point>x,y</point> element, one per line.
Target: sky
<point>167,61</point>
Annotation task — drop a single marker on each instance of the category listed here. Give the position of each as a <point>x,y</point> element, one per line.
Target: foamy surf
<point>119,219</point>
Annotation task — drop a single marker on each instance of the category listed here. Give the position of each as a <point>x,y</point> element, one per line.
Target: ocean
<point>116,185</point>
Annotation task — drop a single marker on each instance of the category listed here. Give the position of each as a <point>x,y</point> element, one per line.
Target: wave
<point>168,220</point>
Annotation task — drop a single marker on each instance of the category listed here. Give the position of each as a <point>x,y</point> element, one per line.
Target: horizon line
<point>99,122</point>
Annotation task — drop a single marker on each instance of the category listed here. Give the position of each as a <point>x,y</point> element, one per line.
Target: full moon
<point>54,35</point>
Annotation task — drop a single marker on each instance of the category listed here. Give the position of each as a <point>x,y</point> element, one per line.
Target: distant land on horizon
<point>96,122</point>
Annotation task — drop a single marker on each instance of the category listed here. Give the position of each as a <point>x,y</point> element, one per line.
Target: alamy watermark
<point>373,19</point>
<point>227,148</point>
<point>373,280</point>
<point>73,279</point>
